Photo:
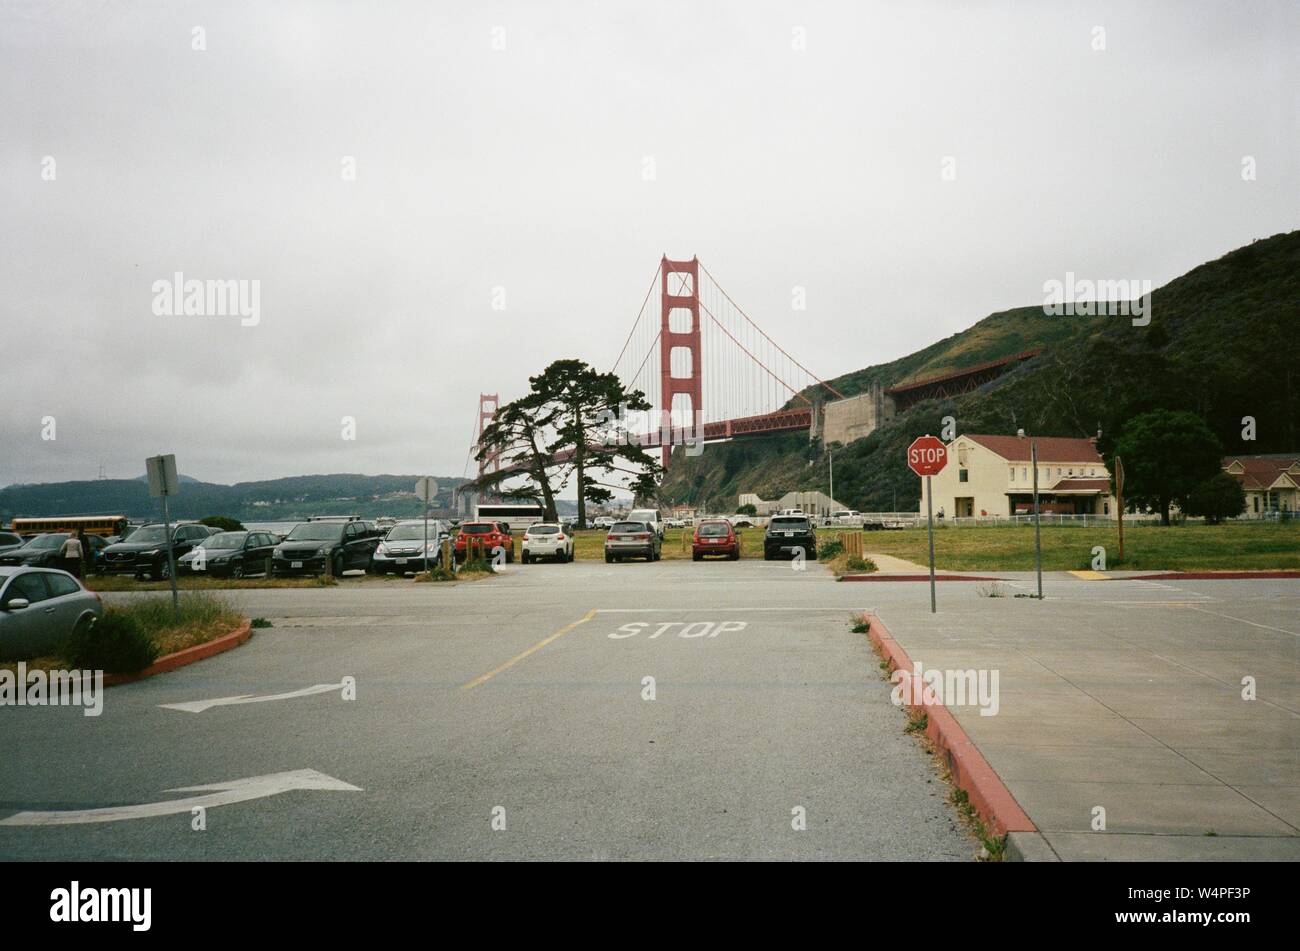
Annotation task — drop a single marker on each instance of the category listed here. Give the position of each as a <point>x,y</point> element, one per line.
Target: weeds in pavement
<point>861,623</point>
<point>994,590</point>
<point>916,723</point>
<point>260,622</point>
<point>995,846</point>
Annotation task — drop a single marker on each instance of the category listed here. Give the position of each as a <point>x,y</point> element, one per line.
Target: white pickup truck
<point>847,517</point>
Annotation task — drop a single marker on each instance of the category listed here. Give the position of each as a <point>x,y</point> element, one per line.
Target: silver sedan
<point>39,609</point>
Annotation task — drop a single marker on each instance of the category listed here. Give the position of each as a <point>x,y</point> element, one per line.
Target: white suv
<point>650,517</point>
<point>547,540</point>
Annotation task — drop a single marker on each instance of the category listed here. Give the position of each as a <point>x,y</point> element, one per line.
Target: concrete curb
<point>187,656</point>
<point>1029,847</point>
<point>970,770</point>
<point>918,578</point>
<point>1211,575</point>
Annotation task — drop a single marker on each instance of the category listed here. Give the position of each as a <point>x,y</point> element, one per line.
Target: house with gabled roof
<point>1271,482</point>
<point>989,474</point>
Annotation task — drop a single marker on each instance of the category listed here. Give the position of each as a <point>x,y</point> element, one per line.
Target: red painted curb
<point>189,655</point>
<point>970,770</point>
<point>1211,576</point>
<point>918,578</point>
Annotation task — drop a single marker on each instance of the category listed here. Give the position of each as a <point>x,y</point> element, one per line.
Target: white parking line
<point>218,794</point>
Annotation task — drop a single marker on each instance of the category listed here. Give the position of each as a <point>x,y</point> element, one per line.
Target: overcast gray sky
<point>521,167</point>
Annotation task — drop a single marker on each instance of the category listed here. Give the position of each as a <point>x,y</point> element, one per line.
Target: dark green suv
<point>789,535</point>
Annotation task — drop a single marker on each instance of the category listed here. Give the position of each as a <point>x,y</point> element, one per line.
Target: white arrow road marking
<point>198,706</point>
<point>219,794</point>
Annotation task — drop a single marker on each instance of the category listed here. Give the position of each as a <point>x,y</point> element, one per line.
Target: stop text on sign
<point>927,456</point>
<point>688,629</point>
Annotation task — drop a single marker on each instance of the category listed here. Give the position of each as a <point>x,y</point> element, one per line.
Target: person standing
<point>71,555</point>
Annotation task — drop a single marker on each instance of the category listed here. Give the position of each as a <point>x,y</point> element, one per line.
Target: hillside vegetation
<point>1221,343</point>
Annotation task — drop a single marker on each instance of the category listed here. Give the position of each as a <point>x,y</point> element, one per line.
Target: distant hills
<point>273,499</point>
<point>1221,342</point>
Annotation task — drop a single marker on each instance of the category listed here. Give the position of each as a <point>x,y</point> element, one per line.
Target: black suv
<point>789,533</point>
<point>144,554</point>
<point>311,545</point>
<point>44,551</point>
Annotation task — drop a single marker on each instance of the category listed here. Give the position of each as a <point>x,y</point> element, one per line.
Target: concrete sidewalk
<point>1127,697</point>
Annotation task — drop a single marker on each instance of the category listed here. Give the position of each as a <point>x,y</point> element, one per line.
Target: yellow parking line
<point>484,678</point>
<point>1089,575</point>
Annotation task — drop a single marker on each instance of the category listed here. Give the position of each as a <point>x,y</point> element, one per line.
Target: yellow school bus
<point>90,524</point>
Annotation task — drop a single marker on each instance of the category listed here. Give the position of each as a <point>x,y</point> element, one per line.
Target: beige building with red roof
<point>1271,482</point>
<point>992,475</point>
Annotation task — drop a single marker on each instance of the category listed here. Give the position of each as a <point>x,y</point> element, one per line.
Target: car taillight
<point>559,538</point>
<point>643,537</point>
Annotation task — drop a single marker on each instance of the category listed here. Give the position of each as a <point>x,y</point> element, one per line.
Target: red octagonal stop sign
<point>927,456</point>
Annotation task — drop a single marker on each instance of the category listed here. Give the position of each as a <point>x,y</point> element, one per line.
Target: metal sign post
<point>1038,541</point>
<point>1119,503</point>
<point>929,521</point>
<point>426,488</point>
<point>162,484</point>
<point>927,456</point>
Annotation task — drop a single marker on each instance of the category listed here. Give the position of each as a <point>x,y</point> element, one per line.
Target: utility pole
<point>830,455</point>
<point>1038,540</point>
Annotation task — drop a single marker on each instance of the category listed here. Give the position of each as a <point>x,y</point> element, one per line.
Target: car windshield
<point>790,521</point>
<point>714,529</point>
<point>411,533</point>
<point>544,530</point>
<point>149,535</point>
<point>618,527</point>
<point>476,528</point>
<point>224,540</point>
<point>44,542</point>
<point>316,532</point>
<point>644,515</point>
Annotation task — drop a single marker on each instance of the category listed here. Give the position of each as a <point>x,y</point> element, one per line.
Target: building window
<point>1024,475</point>
<point>1105,508</point>
<point>963,475</point>
<point>1013,474</point>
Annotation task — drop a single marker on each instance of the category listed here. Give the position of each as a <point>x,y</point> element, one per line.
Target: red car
<point>489,536</point>
<point>715,536</point>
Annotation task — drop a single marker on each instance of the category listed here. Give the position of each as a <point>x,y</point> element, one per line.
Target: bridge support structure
<point>679,291</point>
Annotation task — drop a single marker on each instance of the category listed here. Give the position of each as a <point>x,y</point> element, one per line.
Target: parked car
<point>312,547</point>
<point>9,541</point>
<point>486,535</point>
<point>400,551</point>
<point>39,609</point>
<point>651,518</point>
<point>144,554</point>
<point>603,521</point>
<point>547,540</point>
<point>715,536</point>
<point>229,554</point>
<point>632,540</point>
<point>43,551</point>
<point>789,534</point>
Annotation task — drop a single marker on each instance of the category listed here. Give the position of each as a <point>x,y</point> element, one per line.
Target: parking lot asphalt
<point>582,711</point>
<point>510,719</point>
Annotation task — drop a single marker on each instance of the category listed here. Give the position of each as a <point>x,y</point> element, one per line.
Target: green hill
<point>1221,342</point>
<point>288,498</point>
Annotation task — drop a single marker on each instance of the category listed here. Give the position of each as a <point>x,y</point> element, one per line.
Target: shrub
<point>223,522</point>
<point>116,643</point>
<point>829,549</point>
<point>859,564</point>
